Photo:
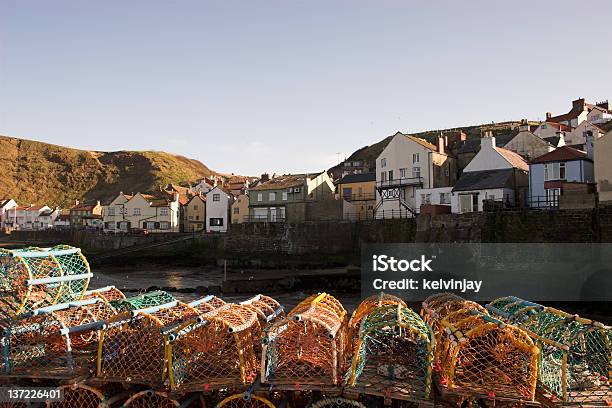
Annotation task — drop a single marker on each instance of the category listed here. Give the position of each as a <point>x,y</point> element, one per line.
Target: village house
<point>204,185</point>
<point>142,212</point>
<point>240,209</point>
<point>602,152</point>
<point>218,204</point>
<point>547,130</point>
<point>555,173</point>
<point>407,164</point>
<point>62,221</point>
<point>294,198</point>
<point>579,113</point>
<point>26,217</point>
<point>6,204</point>
<point>236,185</point>
<point>494,175</point>
<point>577,137</point>
<point>195,214</point>
<point>80,210</point>
<point>47,218</point>
<point>600,113</point>
<point>527,144</point>
<point>434,200</point>
<point>358,194</point>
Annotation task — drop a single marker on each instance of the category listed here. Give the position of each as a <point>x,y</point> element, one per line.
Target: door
<point>272,214</point>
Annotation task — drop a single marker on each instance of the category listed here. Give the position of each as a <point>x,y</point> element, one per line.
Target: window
<point>216,222</point>
<point>416,172</point>
<point>123,210</point>
<point>163,211</point>
<point>236,210</point>
<point>403,173</point>
<point>136,211</point>
<point>554,171</point>
<point>347,192</point>
<point>425,198</point>
<point>259,197</point>
<point>272,196</point>
<point>284,196</point>
<point>190,217</point>
<point>543,126</point>
<point>216,197</point>
<point>383,162</point>
<point>164,225</point>
<point>281,214</point>
<point>468,203</point>
<point>446,171</point>
<point>111,211</point>
<point>195,207</point>
<point>383,176</point>
<point>390,174</point>
<point>445,198</point>
<point>552,196</point>
<point>415,157</point>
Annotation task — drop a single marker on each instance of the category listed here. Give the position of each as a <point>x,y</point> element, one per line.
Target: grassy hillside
<point>35,172</point>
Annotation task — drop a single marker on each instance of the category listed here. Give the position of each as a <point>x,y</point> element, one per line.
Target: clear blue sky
<point>252,86</point>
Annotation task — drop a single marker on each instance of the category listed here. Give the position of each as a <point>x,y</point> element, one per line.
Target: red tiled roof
<point>563,153</point>
<point>422,142</point>
<point>83,207</point>
<point>559,126</point>
<point>281,182</point>
<point>513,158</point>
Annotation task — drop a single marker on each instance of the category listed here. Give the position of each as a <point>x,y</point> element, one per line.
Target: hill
<point>368,154</point>
<point>36,172</point>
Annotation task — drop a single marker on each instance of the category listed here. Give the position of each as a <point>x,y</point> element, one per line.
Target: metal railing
<point>359,197</point>
<point>399,182</point>
<point>263,218</point>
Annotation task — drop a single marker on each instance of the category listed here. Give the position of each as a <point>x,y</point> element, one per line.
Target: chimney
<point>604,105</point>
<point>441,145</point>
<point>265,177</point>
<point>524,127</point>
<point>588,144</point>
<point>488,141</point>
<point>578,104</point>
<point>548,115</point>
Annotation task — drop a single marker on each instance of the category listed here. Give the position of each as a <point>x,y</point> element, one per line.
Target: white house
<point>599,115</point>
<point>46,219</point>
<point>550,129</point>
<point>528,144</point>
<point>26,217</point>
<point>218,204</point>
<point>577,136</point>
<point>6,204</point>
<point>434,196</point>
<point>204,186</point>
<point>550,174</point>
<point>159,213</point>
<point>407,164</point>
<point>494,174</point>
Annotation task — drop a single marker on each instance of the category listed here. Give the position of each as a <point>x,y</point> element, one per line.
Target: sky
<point>289,86</point>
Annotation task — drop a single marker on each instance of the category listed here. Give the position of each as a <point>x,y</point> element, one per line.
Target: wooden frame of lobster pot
<point>309,347</point>
<point>576,353</point>
<point>393,355</point>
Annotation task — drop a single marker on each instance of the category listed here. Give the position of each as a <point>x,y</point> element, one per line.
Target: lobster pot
<point>31,278</point>
<point>393,354</point>
<point>150,399</point>
<point>309,346</point>
<point>131,347</point>
<point>437,307</point>
<point>107,293</point>
<point>369,304</point>
<point>576,353</point>
<point>143,301</point>
<point>486,357</point>
<point>80,396</point>
<point>37,347</point>
<point>215,350</point>
<point>268,312</point>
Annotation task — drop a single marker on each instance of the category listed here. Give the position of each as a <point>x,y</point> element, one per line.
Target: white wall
<point>487,158</point>
<point>497,193</point>
<point>217,209</point>
<point>435,195</point>
<point>399,154</point>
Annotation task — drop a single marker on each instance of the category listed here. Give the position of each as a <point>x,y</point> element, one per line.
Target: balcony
<point>400,182</point>
<point>359,197</point>
<point>263,218</point>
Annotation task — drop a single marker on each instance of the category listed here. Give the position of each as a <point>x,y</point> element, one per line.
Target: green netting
<point>33,277</point>
<point>143,301</point>
<point>393,354</point>
<point>576,358</point>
